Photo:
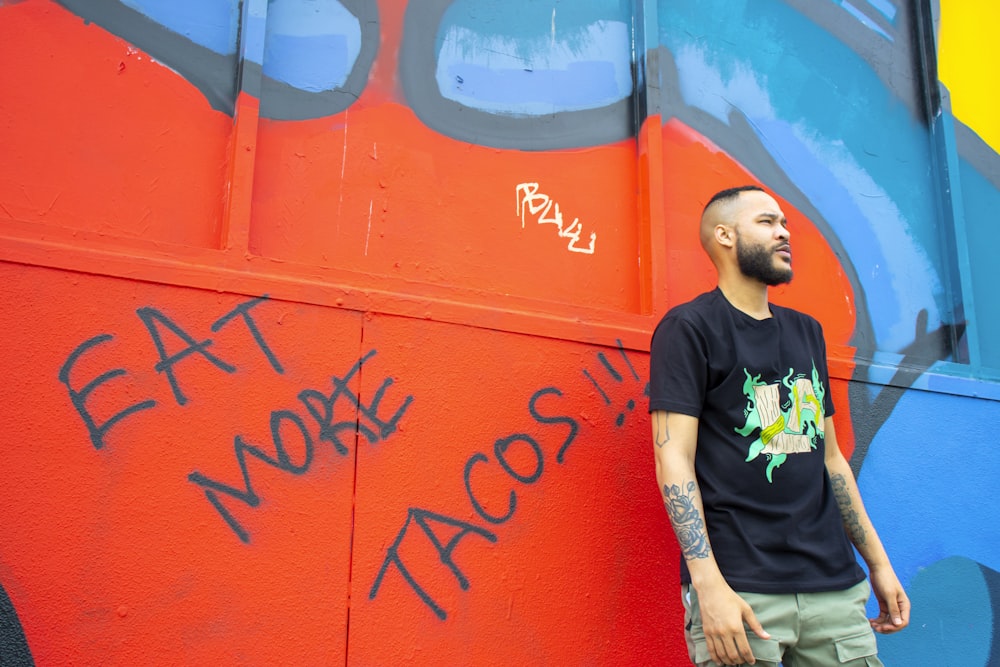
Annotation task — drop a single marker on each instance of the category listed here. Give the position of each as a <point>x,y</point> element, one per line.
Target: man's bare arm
<point>894,605</point>
<point>681,500</point>
<point>723,612</point>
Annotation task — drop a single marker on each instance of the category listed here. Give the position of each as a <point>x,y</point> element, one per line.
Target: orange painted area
<point>133,162</point>
<point>375,192</point>
<point>98,137</point>
<point>581,569</point>
<point>113,555</point>
<point>420,207</point>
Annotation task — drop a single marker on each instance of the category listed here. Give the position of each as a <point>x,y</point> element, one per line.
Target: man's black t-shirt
<point>760,390</point>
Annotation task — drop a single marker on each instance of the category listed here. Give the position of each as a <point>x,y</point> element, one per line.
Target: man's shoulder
<point>694,319</point>
<point>690,316</point>
<point>699,307</point>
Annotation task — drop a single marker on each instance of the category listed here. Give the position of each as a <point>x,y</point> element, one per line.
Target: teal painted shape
<point>840,133</point>
<point>980,202</point>
<point>952,622</point>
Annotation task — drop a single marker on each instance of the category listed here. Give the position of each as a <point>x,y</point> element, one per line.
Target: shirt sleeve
<point>678,367</point>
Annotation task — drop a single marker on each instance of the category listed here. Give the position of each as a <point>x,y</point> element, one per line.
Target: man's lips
<point>785,251</point>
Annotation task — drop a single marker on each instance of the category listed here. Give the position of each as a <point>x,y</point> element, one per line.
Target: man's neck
<point>749,297</point>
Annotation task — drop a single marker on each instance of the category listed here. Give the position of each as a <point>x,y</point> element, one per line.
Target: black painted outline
<point>152,318</point>
<point>480,510</point>
<point>14,649</point>
<point>420,517</point>
<point>79,397</point>
<point>282,461</point>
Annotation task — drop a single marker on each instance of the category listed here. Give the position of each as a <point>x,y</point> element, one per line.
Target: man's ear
<point>725,235</point>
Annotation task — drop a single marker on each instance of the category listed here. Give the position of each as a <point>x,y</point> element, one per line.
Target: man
<point>762,501</point>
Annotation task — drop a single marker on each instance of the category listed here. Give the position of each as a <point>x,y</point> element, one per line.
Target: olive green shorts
<point>807,629</point>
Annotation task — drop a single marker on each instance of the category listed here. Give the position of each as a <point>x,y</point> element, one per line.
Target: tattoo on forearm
<point>852,522</point>
<point>662,432</point>
<point>686,519</point>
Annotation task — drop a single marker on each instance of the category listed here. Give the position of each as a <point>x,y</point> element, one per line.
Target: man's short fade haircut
<point>731,193</point>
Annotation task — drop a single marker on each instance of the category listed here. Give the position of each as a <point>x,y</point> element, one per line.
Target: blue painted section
<point>952,618</point>
<point>311,44</point>
<point>213,24</point>
<point>529,20</point>
<point>929,481</point>
<point>866,166</point>
<point>930,478</point>
<point>896,282</point>
<point>981,201</point>
<point>254,33</point>
<point>580,85</point>
<point>331,61</point>
<point>536,59</point>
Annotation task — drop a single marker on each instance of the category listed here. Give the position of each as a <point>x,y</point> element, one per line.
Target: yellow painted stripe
<point>968,60</point>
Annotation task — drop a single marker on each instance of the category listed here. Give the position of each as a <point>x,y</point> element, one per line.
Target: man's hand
<point>723,614</point>
<point>893,604</point>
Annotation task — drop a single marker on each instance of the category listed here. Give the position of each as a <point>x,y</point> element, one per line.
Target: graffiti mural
<point>327,325</point>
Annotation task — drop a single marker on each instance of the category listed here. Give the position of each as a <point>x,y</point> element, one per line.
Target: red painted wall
<point>114,555</point>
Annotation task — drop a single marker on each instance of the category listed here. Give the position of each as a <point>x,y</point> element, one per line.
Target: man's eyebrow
<point>772,216</point>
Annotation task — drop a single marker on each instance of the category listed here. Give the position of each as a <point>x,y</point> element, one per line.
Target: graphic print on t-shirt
<point>788,416</point>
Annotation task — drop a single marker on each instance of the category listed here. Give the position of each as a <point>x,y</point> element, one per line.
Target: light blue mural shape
<point>311,45</point>
<point>535,59</point>
<point>213,24</point>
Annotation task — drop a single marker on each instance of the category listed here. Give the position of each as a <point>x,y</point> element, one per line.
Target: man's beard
<point>757,262</point>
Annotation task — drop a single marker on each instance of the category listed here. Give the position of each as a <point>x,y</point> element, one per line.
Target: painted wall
<point>327,322</point>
